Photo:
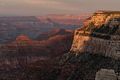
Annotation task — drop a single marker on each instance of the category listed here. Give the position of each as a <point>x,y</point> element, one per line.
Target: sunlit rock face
<point>102,17</point>
<point>99,35</point>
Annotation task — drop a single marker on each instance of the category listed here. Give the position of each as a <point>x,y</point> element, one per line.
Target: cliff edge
<point>100,34</point>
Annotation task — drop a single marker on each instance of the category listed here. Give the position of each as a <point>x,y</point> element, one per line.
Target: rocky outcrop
<point>105,74</point>
<point>94,45</point>
<point>101,17</point>
<point>102,40</point>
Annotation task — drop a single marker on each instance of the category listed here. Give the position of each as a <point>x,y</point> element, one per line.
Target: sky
<point>43,7</point>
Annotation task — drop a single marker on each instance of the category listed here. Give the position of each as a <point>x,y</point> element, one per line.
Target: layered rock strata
<point>100,35</point>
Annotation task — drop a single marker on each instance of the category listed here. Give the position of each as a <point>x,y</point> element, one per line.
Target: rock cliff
<point>101,17</point>
<point>100,34</point>
<point>106,74</point>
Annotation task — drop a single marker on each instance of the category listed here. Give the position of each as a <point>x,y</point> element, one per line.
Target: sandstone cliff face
<point>103,40</point>
<point>102,17</point>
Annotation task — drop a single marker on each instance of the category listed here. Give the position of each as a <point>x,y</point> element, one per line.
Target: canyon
<point>33,26</point>
<point>95,51</point>
<point>23,50</point>
<point>94,54</point>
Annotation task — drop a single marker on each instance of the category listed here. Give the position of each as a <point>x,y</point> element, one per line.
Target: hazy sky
<point>40,7</point>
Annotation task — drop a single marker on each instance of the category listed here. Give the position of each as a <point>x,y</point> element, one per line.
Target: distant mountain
<point>47,44</point>
<point>53,33</point>
<point>11,27</point>
<point>64,18</point>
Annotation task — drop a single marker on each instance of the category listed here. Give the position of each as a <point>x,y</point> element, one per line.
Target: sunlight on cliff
<point>100,35</point>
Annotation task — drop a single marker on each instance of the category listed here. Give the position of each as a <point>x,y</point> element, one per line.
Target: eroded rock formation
<point>106,74</point>
<point>101,17</point>
<point>99,35</point>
